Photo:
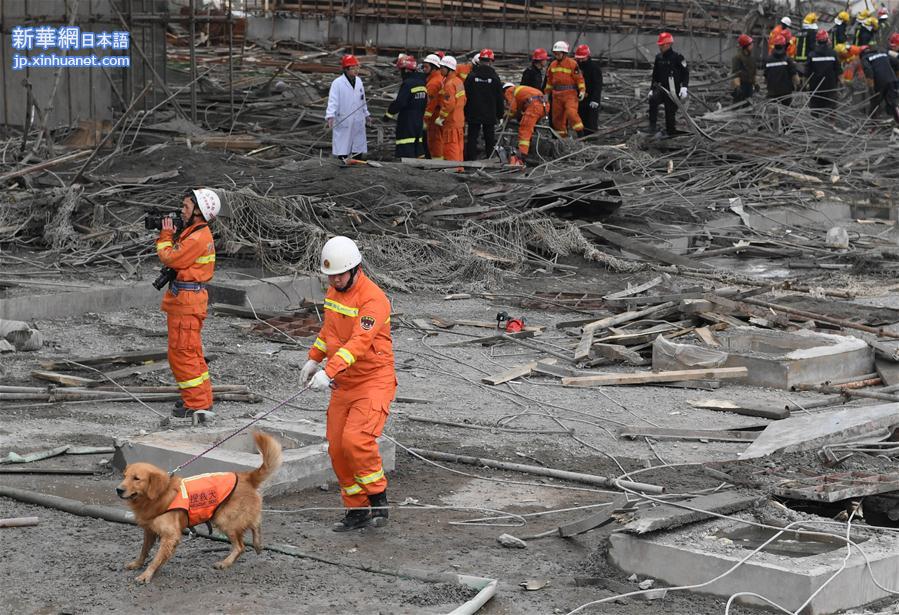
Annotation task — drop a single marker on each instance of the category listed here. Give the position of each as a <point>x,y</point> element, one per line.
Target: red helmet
<point>486,54</point>
<point>779,40</point>
<point>348,60</point>
<point>744,40</point>
<point>539,54</point>
<point>894,39</point>
<point>665,38</point>
<point>822,36</point>
<point>440,54</point>
<point>581,52</point>
<point>406,63</point>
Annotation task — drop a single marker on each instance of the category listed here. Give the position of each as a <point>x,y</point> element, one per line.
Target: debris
<point>837,238</point>
<point>514,372</point>
<point>653,377</point>
<point>646,584</point>
<point>21,336</point>
<point>19,522</point>
<point>667,355</point>
<point>532,584</point>
<point>744,408</point>
<point>511,542</point>
<point>701,435</point>
<point>600,519</point>
<point>668,516</point>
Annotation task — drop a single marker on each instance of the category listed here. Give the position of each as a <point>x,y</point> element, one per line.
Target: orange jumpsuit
<point>565,81</point>
<point>452,110</point>
<point>201,495</point>
<point>192,255</point>
<point>530,104</point>
<point>788,38</point>
<point>355,338</point>
<point>463,70</point>
<point>435,133</point>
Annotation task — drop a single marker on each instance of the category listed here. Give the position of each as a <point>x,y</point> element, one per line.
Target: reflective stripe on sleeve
<point>162,245</point>
<point>346,310</point>
<point>351,489</point>
<point>205,260</point>
<point>560,69</point>
<point>418,88</point>
<point>320,345</point>
<point>346,355</point>
<point>406,141</point>
<point>460,93</point>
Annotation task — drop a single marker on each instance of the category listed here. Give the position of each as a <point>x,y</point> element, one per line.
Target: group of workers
<point>439,97</point>
<point>352,356</point>
<point>822,62</point>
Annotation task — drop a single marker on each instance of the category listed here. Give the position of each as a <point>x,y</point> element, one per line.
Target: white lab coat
<point>348,107</point>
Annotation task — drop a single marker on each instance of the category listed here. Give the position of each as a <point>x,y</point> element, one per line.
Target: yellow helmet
<point>863,15</point>
<point>871,23</point>
<point>810,18</point>
<point>843,16</point>
<point>840,48</point>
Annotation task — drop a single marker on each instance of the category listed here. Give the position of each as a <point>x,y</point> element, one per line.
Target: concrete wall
<point>638,46</point>
<point>82,93</point>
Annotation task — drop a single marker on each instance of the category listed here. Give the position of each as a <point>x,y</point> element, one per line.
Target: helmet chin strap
<point>349,283</point>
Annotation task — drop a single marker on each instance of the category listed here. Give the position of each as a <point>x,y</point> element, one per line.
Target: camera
<point>166,275</point>
<point>153,221</point>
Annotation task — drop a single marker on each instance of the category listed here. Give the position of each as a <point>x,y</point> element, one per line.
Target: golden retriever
<point>150,490</point>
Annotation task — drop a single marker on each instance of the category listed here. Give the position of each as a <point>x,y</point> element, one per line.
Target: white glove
<point>308,371</point>
<point>320,381</point>
<point>581,95</point>
<point>683,92</point>
<point>594,104</point>
<point>439,121</point>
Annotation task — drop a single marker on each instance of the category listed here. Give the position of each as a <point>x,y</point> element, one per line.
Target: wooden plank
<point>723,405</point>
<point>630,302</point>
<point>707,337</point>
<point>619,319</point>
<point>715,317</point>
<point>125,357</point>
<point>510,374</point>
<point>698,435</point>
<point>632,245</point>
<point>667,516</point>
<point>66,380</point>
<point>887,370</point>
<point>583,346</point>
<point>604,517</point>
<point>617,353</point>
<point>484,324</point>
<point>490,339</point>
<point>422,163</point>
<point>651,377</point>
<point>551,369</point>
<point>134,370</point>
<point>241,311</point>
<point>634,290</point>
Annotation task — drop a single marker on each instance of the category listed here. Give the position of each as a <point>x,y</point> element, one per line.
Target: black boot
<point>355,519</point>
<point>379,511</point>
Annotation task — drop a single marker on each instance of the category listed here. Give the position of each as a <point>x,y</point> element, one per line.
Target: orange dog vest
<point>201,495</point>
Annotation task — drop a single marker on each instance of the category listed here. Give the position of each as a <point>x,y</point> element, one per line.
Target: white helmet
<point>209,203</point>
<point>508,85</point>
<point>476,58</point>
<point>560,46</point>
<point>432,58</point>
<point>339,255</point>
<point>449,62</point>
<point>786,21</point>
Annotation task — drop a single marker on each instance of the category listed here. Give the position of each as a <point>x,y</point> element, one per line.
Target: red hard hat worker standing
<point>347,111</point>
<point>669,80</point>
<point>533,75</point>
<point>355,340</point>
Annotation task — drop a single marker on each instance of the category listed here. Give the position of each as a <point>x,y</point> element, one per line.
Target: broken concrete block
<point>6,347</point>
<point>20,335</point>
<point>838,238</point>
<point>646,583</point>
<point>667,355</point>
<point>511,542</point>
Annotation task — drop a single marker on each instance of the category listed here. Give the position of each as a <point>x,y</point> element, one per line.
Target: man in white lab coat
<point>347,111</point>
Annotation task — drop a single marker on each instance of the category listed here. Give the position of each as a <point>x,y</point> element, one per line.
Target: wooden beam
<point>125,357</point>
<point>723,405</point>
<point>632,245</point>
<point>619,319</point>
<point>651,377</point>
<point>583,346</point>
<point>66,380</point>
<point>707,337</point>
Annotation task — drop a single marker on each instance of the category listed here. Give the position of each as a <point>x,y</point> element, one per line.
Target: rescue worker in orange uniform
<point>528,105</point>
<point>355,340</point>
<point>783,29</point>
<point>190,254</point>
<point>433,85</point>
<point>565,84</point>
<point>451,117</point>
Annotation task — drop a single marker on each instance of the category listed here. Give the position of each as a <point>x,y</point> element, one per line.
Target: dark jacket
<point>408,108</point>
<point>805,42</point>
<point>743,67</point>
<point>863,36</point>
<point>592,80</point>
<point>881,67</point>
<point>484,93</point>
<point>533,77</point>
<point>838,34</point>
<point>779,72</point>
<point>822,69</point>
<point>670,64</point>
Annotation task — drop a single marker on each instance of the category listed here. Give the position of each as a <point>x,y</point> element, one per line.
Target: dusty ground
<point>74,565</point>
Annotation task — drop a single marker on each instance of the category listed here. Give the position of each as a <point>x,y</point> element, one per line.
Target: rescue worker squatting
<point>355,340</point>
<point>191,254</point>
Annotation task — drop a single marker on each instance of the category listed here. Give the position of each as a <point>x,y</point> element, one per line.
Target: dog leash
<point>256,420</point>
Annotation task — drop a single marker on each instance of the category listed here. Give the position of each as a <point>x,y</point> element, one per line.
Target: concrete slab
<point>789,574</point>
<point>266,293</point>
<point>272,293</point>
<point>305,453</point>
<point>811,431</point>
<point>782,360</point>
